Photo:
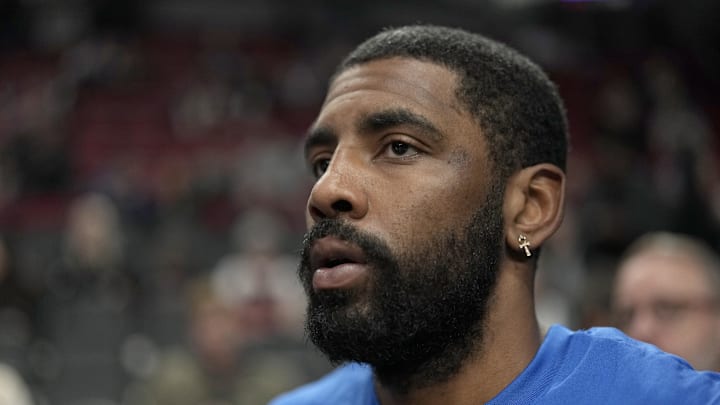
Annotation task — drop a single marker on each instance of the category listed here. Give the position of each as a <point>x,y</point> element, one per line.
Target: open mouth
<point>336,264</point>
<point>331,252</point>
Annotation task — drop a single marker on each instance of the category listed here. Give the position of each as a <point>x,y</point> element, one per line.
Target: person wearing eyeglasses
<point>667,293</point>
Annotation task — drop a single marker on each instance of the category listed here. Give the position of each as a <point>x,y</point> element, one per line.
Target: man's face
<point>667,300</point>
<point>405,220</point>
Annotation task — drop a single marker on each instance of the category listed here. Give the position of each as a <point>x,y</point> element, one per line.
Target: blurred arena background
<point>152,188</point>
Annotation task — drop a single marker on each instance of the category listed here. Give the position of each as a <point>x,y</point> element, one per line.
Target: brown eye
<point>399,148</point>
<point>320,166</point>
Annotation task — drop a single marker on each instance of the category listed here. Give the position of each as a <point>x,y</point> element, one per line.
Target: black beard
<point>424,312</point>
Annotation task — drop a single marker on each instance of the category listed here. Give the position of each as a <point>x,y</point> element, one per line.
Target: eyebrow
<point>374,123</point>
<point>319,136</point>
<point>383,120</point>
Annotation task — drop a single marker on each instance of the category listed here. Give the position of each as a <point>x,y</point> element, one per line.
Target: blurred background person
<point>13,390</point>
<point>667,292</point>
<point>17,329</point>
<point>243,343</point>
<point>85,307</point>
<point>205,367</point>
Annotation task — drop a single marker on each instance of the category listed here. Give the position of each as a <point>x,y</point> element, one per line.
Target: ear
<point>534,205</point>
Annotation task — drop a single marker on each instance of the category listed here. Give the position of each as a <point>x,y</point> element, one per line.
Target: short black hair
<point>515,103</point>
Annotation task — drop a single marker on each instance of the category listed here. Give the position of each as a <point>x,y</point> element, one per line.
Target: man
<point>667,292</point>
<point>439,158</point>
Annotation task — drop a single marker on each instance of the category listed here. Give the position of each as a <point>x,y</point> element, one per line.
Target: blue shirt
<point>594,366</point>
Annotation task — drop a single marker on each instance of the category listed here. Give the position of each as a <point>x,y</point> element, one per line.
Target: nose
<point>339,191</point>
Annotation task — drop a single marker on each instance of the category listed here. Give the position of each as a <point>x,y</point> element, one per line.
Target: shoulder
<point>348,384</point>
<point>630,370</point>
<point>603,366</point>
<point>608,346</point>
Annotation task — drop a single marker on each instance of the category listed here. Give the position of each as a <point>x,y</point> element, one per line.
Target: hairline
<point>460,78</point>
<point>678,245</point>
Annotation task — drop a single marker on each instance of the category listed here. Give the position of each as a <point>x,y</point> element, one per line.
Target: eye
<point>668,311</point>
<point>319,167</point>
<point>401,149</point>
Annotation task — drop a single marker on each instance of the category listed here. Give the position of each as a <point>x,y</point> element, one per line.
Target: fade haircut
<point>515,104</point>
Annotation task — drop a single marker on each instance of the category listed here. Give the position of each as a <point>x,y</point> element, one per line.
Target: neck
<point>509,340</point>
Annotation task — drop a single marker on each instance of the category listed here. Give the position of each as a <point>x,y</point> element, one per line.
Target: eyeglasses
<point>665,311</point>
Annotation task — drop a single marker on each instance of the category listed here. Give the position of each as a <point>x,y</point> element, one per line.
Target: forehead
<point>426,85</point>
<point>659,274</point>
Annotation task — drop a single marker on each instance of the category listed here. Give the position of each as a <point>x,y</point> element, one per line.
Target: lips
<point>336,264</point>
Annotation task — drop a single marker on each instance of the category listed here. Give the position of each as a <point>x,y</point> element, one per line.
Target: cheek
<point>453,198</point>
<point>438,204</point>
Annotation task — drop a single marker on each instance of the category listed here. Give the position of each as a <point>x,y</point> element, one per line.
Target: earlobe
<point>534,204</point>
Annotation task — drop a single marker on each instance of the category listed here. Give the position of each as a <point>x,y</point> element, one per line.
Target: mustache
<point>377,252</point>
<point>336,228</point>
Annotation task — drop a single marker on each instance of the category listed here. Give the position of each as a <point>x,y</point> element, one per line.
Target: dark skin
<point>399,156</point>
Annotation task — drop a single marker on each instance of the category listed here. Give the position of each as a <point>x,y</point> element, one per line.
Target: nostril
<point>342,206</point>
<point>317,213</point>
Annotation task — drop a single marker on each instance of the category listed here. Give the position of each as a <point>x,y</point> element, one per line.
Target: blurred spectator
<point>620,203</point>
<point>683,150</point>
<point>245,327</point>
<point>86,308</point>
<point>232,356</point>
<point>204,369</point>
<point>14,297</point>
<point>259,279</point>
<point>18,329</point>
<point>34,152</point>
<point>93,239</point>
<point>667,292</point>
<point>12,388</point>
